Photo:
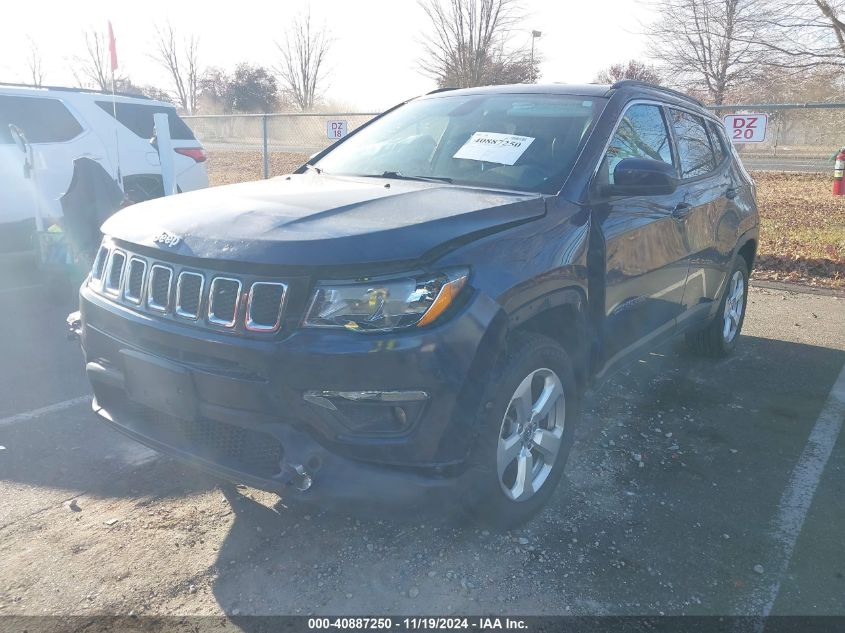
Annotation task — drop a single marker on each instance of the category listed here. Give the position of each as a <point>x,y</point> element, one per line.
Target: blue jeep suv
<point>418,309</point>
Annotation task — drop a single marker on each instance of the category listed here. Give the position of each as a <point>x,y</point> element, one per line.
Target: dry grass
<point>227,167</point>
<point>802,233</point>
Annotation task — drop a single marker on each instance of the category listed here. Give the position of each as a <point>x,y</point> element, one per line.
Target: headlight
<point>384,304</point>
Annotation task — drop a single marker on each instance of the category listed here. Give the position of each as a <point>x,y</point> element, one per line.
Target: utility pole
<point>534,36</point>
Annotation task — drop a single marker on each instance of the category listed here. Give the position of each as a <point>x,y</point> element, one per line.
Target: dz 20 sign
<point>746,128</point>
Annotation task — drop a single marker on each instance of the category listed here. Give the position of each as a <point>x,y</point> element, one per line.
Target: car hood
<point>316,219</point>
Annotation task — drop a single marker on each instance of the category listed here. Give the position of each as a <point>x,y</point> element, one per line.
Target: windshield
<point>527,142</point>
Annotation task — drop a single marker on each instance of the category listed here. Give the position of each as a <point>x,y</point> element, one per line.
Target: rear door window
<point>642,133</point>
<point>717,138</point>
<point>694,149</point>
<point>138,117</point>
<point>42,120</point>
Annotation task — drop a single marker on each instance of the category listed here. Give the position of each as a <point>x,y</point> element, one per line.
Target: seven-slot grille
<point>188,295</point>
<point>223,301</point>
<point>158,294</point>
<point>115,272</point>
<point>133,288</point>
<point>264,306</point>
<point>100,264</point>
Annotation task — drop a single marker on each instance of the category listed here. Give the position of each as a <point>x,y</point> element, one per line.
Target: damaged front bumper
<point>276,414</point>
<point>305,469</point>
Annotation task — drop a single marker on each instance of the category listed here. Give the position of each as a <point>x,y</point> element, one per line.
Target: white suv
<point>63,124</point>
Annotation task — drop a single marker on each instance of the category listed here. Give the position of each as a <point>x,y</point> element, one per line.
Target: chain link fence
<point>290,136</point>
<point>799,138</point>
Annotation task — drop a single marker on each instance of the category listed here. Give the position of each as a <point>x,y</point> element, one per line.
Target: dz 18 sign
<point>336,129</point>
<point>746,128</point>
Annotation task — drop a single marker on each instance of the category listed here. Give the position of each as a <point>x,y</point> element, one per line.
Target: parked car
<point>64,124</point>
<point>419,309</point>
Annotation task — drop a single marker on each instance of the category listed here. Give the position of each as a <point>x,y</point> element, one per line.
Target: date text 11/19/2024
<point>420,623</point>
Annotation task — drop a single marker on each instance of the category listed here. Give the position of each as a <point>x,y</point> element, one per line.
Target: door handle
<point>730,194</point>
<point>681,210</point>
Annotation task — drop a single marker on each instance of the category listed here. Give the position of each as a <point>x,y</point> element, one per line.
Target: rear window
<point>138,118</point>
<point>694,150</point>
<point>717,137</point>
<point>42,120</point>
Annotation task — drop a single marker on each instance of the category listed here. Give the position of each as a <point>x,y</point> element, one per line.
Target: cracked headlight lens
<point>382,305</point>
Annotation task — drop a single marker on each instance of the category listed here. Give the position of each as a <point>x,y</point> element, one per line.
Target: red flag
<point>112,48</point>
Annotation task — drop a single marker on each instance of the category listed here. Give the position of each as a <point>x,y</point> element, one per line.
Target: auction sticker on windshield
<point>492,147</point>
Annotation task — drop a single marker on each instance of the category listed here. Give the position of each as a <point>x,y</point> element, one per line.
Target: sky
<point>373,63</point>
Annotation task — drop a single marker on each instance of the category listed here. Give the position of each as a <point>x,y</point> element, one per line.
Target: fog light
<point>324,398</point>
<point>369,412</point>
<point>401,417</point>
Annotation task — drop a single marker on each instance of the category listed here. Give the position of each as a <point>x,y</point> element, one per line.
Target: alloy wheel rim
<point>734,304</point>
<point>531,435</point>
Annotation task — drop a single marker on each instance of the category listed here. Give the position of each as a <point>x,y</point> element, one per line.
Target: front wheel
<point>526,428</point>
<point>719,338</point>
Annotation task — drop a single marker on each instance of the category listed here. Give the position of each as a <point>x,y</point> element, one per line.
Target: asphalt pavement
<point>695,487</point>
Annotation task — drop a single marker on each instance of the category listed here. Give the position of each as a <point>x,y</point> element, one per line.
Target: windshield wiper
<point>398,175</point>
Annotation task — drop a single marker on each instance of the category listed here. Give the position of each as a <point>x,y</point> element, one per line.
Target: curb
<point>786,286</point>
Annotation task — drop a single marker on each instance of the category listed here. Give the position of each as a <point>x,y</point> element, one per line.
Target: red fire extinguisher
<point>838,169</point>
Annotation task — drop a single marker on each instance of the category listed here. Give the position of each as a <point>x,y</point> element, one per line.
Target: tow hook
<point>74,326</point>
<point>299,478</point>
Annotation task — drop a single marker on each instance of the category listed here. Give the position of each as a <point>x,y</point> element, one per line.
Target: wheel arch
<point>748,251</point>
<point>563,317</point>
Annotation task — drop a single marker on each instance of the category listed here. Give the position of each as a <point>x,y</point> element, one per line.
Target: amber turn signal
<point>445,297</point>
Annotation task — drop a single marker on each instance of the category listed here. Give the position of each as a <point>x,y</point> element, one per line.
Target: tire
<point>715,340</point>
<point>546,367</point>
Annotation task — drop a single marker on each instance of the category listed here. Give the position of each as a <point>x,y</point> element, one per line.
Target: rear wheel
<point>719,338</point>
<point>526,430</point>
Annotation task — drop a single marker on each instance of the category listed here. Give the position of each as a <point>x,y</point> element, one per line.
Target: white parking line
<point>37,413</point>
<point>798,496</point>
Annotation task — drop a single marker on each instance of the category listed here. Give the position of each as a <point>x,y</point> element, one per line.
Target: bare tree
<point>93,68</point>
<point>181,63</point>
<point>789,85</point>
<point>632,69</point>
<point>806,34</point>
<point>125,85</point>
<point>215,91</point>
<point>470,43</point>
<point>834,17</point>
<point>710,47</point>
<point>302,65</point>
<point>33,61</point>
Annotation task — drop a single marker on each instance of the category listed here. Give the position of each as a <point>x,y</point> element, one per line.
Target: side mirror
<point>154,142</point>
<point>643,177</point>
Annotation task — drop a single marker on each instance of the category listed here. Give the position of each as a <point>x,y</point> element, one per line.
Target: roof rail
<point>624,83</point>
<point>133,95</point>
<point>440,90</point>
